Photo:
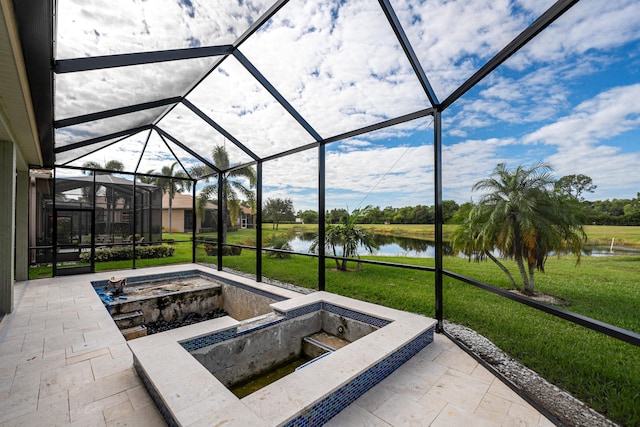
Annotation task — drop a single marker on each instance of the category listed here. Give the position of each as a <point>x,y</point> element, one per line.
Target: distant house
<point>247,219</point>
<point>182,214</point>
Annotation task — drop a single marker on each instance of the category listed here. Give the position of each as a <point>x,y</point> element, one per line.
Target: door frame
<point>67,271</point>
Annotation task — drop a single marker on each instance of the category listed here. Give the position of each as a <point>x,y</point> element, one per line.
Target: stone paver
<point>63,362</point>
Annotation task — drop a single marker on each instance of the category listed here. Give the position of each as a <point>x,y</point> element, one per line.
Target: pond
<point>387,246</point>
<point>417,248</point>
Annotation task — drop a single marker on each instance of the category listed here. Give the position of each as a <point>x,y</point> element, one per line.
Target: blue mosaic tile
<point>207,340</point>
<point>260,292</point>
<point>355,315</point>
<point>341,311</point>
<point>300,311</point>
<point>192,273</point>
<point>314,360</point>
<point>151,277</point>
<point>331,405</point>
<point>157,399</point>
<point>260,327</point>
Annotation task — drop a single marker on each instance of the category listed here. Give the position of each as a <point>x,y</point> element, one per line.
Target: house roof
<point>17,121</point>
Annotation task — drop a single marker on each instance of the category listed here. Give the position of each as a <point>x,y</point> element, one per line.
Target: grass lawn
<point>599,370</point>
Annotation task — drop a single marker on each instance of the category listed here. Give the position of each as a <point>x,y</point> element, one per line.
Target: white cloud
<point>347,72</point>
<point>101,27</point>
<point>341,74</point>
<point>454,38</point>
<point>588,26</point>
<point>609,114</point>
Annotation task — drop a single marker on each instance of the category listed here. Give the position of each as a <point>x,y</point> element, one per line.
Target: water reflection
<point>417,248</point>
<point>387,246</point>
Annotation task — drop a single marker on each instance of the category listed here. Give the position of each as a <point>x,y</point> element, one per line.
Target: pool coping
<point>187,394</point>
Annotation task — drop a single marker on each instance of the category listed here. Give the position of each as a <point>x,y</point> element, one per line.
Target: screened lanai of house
<point>333,104</point>
<point>338,105</point>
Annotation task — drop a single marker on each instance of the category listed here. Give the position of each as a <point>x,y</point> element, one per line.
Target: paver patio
<point>64,362</point>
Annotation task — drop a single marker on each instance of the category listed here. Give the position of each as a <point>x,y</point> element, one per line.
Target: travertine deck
<point>64,362</point>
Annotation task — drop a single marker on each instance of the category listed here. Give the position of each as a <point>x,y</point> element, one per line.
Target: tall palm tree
<point>111,196</point>
<point>147,179</point>
<point>523,218</point>
<point>170,185</point>
<point>348,236</point>
<point>234,190</point>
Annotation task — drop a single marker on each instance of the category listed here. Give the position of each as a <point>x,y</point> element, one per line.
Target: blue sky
<point>570,98</point>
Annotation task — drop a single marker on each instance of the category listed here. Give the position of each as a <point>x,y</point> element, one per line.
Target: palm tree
<point>231,184</point>
<point>524,219</point>
<point>170,185</point>
<point>347,235</point>
<point>147,179</point>
<point>111,196</point>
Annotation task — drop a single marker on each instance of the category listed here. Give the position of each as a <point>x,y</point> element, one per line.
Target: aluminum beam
<point>127,59</point>
<point>274,92</point>
<point>114,112</point>
<point>162,132</point>
<point>220,129</point>
<point>85,143</point>
<point>408,50</point>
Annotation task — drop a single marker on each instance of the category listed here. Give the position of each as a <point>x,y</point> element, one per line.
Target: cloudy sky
<point>571,97</point>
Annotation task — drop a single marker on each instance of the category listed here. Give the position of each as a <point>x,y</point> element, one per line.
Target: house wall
<point>7,223</point>
<point>177,220</point>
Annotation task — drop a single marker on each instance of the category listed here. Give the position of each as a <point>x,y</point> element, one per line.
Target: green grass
<point>597,369</point>
<point>601,235</point>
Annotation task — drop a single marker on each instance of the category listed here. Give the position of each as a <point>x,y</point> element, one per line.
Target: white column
<point>7,223</point>
<point>22,225</point>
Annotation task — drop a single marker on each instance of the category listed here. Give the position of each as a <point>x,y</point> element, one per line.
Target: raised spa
<point>354,345</point>
<point>169,299</point>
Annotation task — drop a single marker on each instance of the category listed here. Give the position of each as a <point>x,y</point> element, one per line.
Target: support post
<point>194,219</point>
<point>135,213</point>
<point>258,224</point>
<point>437,160</point>
<point>22,225</point>
<point>220,219</point>
<point>321,217</point>
<point>7,224</point>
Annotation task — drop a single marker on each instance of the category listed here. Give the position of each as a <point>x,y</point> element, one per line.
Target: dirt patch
<point>545,298</point>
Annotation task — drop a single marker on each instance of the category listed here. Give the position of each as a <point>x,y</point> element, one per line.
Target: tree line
<point>599,212</point>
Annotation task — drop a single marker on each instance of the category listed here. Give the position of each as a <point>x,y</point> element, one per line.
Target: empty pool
<point>188,370</point>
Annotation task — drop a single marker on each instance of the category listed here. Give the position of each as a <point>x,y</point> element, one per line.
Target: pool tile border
<point>217,337</point>
<point>330,406</point>
<point>97,284</point>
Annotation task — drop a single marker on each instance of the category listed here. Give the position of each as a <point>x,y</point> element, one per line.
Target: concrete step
<point>129,320</point>
<point>134,332</point>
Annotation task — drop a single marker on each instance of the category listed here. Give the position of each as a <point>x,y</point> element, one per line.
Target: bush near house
<point>125,253</point>
<point>212,250</point>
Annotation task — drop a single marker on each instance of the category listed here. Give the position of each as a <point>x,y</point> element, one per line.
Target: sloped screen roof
<point>178,76</point>
<point>149,83</point>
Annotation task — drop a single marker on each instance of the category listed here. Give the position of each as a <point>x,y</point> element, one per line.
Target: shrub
<point>280,242</point>
<point>212,250</point>
<point>125,253</point>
